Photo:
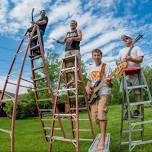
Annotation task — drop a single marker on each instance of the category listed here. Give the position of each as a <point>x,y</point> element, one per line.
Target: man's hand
<point>33,22</point>
<point>88,89</point>
<point>129,58</point>
<point>107,81</point>
<point>68,41</point>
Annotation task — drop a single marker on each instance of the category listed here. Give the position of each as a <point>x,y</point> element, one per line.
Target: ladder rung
<point>136,87</point>
<point>47,99</point>
<point>82,108</point>
<point>141,123</point>
<point>5,131</point>
<point>42,89</point>
<point>34,37</point>
<point>69,89</point>
<point>79,96</point>
<point>132,142</point>
<point>68,69</point>
<point>34,69</point>
<point>37,79</point>
<point>138,142</point>
<point>66,139</point>
<point>69,57</point>
<point>140,103</point>
<point>83,130</point>
<point>46,110</point>
<point>64,115</point>
<point>36,57</point>
<point>35,47</point>
<point>134,130</point>
<point>47,128</point>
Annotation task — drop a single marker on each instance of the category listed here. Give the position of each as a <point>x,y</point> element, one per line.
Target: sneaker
<point>136,113</point>
<point>125,117</point>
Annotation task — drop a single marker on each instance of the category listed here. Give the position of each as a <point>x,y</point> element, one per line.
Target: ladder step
<point>36,57</point>
<point>68,69</point>
<point>69,89</point>
<point>93,147</point>
<point>35,47</point>
<point>136,87</point>
<point>65,115</point>
<point>140,103</point>
<point>42,89</point>
<point>46,110</point>
<point>34,69</point>
<point>35,37</point>
<point>137,142</point>
<point>132,142</point>
<point>141,123</point>
<point>66,139</point>
<point>134,130</point>
<point>47,99</point>
<point>83,130</point>
<point>47,128</point>
<point>69,57</point>
<point>82,108</point>
<point>79,96</point>
<point>37,79</point>
<point>5,131</point>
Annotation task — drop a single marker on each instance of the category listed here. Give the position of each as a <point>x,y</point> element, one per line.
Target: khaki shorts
<point>72,52</point>
<point>99,109</point>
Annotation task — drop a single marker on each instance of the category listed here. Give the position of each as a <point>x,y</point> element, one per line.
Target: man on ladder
<point>99,71</point>
<point>134,60</point>
<point>42,23</point>
<point>72,45</point>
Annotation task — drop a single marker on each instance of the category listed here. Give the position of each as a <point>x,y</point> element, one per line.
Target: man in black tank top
<point>72,46</point>
<point>72,38</point>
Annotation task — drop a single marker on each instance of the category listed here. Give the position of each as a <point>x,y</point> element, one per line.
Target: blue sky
<point>102,23</point>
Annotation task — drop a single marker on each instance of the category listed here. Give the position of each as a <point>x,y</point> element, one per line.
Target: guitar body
<point>92,98</point>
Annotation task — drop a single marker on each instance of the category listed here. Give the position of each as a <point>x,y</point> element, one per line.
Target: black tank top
<point>75,45</point>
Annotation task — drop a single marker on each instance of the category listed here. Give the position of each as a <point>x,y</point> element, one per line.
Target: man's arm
<point>79,37</point>
<point>88,87</point>
<point>136,60</point>
<point>41,22</point>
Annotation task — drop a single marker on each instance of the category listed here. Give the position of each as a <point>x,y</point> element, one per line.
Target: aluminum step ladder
<point>39,75</point>
<point>73,93</point>
<point>133,125</point>
<point>93,147</point>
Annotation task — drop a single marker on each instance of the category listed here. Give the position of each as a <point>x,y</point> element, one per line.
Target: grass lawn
<point>29,136</point>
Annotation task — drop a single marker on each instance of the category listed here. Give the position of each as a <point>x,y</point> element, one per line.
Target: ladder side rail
<point>86,98</point>
<point>77,106</point>
<point>45,69</point>
<point>16,96</point>
<point>69,101</point>
<point>145,82</point>
<point>129,110</point>
<point>11,67</point>
<point>52,125</point>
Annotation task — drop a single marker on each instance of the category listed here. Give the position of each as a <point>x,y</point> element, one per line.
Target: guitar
<point>94,91</point>
<point>124,63</point>
<point>30,29</point>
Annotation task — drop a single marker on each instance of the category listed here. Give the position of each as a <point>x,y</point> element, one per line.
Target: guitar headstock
<point>138,38</point>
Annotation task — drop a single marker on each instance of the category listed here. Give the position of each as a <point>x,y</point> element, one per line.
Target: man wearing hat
<point>134,59</point>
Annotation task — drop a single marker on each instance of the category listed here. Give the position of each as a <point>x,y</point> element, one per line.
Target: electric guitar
<point>30,29</point>
<point>94,91</point>
<point>124,63</point>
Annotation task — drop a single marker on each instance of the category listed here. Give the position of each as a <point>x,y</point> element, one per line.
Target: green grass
<point>29,135</point>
